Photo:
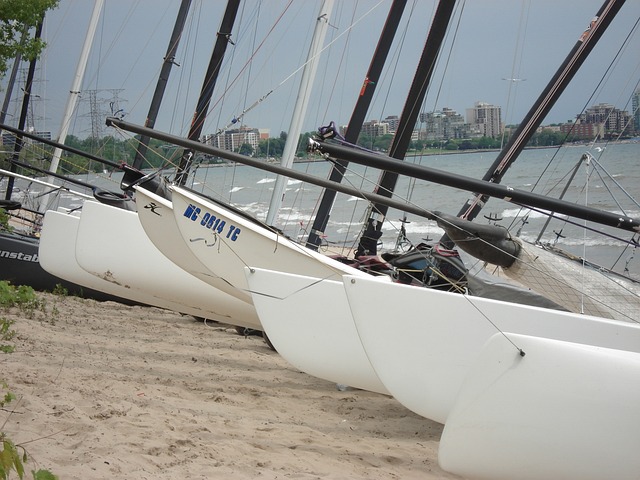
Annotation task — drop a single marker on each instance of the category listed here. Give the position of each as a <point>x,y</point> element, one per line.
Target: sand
<point>107,390</point>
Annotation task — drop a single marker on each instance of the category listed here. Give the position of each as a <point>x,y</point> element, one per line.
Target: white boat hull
<point>422,343</point>
<point>157,219</point>
<point>564,410</point>
<point>112,245</point>
<point>57,254</point>
<point>319,341</point>
<point>226,242</point>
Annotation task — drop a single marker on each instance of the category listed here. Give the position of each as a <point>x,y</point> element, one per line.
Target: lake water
<point>612,187</point>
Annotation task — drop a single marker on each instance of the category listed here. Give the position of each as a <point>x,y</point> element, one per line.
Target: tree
<point>16,18</point>
<point>246,149</point>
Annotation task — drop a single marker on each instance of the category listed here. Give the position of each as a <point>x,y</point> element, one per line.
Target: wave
<point>413,227</point>
<point>236,189</point>
<point>266,180</point>
<point>598,241</point>
<point>521,212</point>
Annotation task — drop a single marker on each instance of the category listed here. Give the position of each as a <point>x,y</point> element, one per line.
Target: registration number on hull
<point>211,222</point>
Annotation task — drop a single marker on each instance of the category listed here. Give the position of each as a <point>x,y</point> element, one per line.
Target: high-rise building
<point>615,121</point>
<point>635,106</point>
<point>486,118</point>
<point>444,125</point>
<point>374,128</point>
<point>232,140</point>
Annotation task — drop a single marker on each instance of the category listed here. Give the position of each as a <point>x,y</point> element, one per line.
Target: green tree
<point>272,147</point>
<point>16,18</point>
<point>382,143</point>
<point>246,149</point>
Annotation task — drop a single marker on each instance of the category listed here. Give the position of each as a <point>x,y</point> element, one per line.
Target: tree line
<point>160,154</point>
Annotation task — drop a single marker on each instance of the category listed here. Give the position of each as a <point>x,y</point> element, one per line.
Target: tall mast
<point>17,146</point>
<point>169,62</point>
<point>541,107</point>
<point>76,85</point>
<point>302,101</point>
<point>197,124</point>
<point>11,82</point>
<point>357,118</point>
<point>369,239</point>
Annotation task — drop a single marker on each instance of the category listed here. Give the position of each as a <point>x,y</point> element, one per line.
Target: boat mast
<point>541,107</point>
<point>367,244</point>
<point>357,119</point>
<point>76,85</point>
<point>302,101</point>
<point>169,62</point>
<point>17,146</point>
<point>211,76</point>
<point>11,82</point>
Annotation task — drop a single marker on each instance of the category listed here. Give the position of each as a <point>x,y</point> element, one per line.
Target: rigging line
<point>339,67</point>
<point>168,163</point>
<point>103,58</point>
<point>254,37</point>
<point>461,6</point>
<point>584,235</point>
<point>222,96</point>
<point>624,250</point>
<point>188,52</point>
<point>137,60</point>
<point>292,74</point>
<point>515,71</point>
<point>389,72</point>
<point>577,224</point>
<point>633,113</point>
<point>606,186</point>
<point>552,91</point>
<point>315,282</point>
<point>38,150</point>
<point>545,103</point>
<point>598,86</point>
<point>468,298</point>
<point>347,30</point>
<point>618,57</point>
<point>392,73</point>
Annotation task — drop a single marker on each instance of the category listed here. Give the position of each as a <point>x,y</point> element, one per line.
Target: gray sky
<point>495,40</point>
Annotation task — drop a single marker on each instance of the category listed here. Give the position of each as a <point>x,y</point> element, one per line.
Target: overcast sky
<point>490,42</point>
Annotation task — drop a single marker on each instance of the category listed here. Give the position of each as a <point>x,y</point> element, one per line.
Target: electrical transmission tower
<point>98,108</point>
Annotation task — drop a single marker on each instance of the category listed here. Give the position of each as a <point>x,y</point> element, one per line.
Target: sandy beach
<point>107,390</point>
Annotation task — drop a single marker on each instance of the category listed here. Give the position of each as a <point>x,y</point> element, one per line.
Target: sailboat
<point>225,241</point>
<point>565,349</point>
<point>286,289</point>
<point>513,397</point>
<point>122,268</point>
<point>157,216</point>
<point>427,370</point>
